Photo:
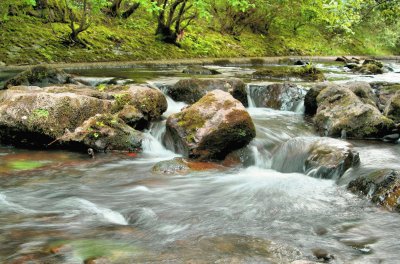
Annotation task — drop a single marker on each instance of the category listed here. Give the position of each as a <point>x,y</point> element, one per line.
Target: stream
<point>114,206</point>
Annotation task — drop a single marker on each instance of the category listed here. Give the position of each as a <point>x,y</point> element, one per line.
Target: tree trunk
<point>166,34</point>
<point>130,10</point>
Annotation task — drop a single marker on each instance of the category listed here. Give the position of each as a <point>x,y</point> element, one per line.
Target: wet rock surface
<point>347,110</point>
<point>280,96</point>
<point>103,133</point>
<point>317,157</point>
<point>211,128</point>
<point>191,90</point>
<point>382,187</point>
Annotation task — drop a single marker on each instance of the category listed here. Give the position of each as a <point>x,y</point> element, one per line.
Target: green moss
<point>283,72</point>
<point>28,40</point>
<point>38,114</point>
<point>190,121</point>
<point>121,100</point>
<point>25,164</point>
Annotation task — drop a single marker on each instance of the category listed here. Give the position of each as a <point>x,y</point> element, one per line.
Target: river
<point>114,206</point>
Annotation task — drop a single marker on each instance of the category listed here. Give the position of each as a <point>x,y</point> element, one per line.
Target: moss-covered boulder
<point>211,128</point>
<point>191,90</point>
<point>370,66</point>
<point>392,109</point>
<point>34,117</point>
<point>381,186</point>
<point>39,76</point>
<point>149,101</point>
<point>280,96</point>
<point>318,157</point>
<point>199,70</point>
<point>307,73</point>
<point>341,112</point>
<point>103,132</point>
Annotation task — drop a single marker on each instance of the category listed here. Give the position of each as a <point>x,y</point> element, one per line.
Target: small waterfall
<point>262,157</point>
<point>173,106</point>
<point>153,141</point>
<point>250,99</point>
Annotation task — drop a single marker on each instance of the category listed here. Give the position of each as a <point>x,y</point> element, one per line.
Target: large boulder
<point>385,91</point>
<point>103,132</point>
<point>280,96</point>
<point>381,186</point>
<point>39,76</point>
<point>49,117</point>
<point>191,90</point>
<point>318,157</point>
<point>211,128</point>
<point>34,117</point>
<point>341,112</point>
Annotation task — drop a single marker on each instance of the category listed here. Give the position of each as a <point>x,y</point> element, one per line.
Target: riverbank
<point>251,61</point>
<point>28,41</point>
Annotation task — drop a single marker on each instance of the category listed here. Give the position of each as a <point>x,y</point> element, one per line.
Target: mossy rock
<point>381,186</point>
<point>191,90</point>
<point>200,70</point>
<point>307,73</point>
<point>133,117</point>
<point>340,111</point>
<point>39,76</point>
<point>102,133</point>
<point>211,128</point>
<point>150,102</point>
<point>370,67</point>
<point>33,117</point>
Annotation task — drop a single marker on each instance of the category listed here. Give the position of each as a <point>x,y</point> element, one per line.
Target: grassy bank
<point>27,40</point>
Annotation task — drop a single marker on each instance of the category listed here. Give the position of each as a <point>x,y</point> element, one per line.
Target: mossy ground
<point>27,40</point>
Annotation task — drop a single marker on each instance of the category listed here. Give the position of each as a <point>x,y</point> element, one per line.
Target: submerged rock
<point>340,110</point>
<point>381,186</point>
<point>211,128</point>
<point>200,70</point>
<point>307,73</point>
<point>280,96</point>
<point>318,157</point>
<point>191,90</point>
<point>183,166</point>
<point>39,76</point>
<point>174,166</point>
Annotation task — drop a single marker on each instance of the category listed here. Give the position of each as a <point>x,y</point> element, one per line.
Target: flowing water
<point>114,206</point>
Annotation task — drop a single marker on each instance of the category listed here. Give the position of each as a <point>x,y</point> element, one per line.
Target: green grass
<point>27,40</point>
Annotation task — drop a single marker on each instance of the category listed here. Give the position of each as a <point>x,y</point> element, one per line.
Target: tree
<point>80,13</point>
<point>128,6</point>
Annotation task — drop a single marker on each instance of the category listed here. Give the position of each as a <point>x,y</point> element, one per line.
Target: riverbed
<point>64,207</point>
